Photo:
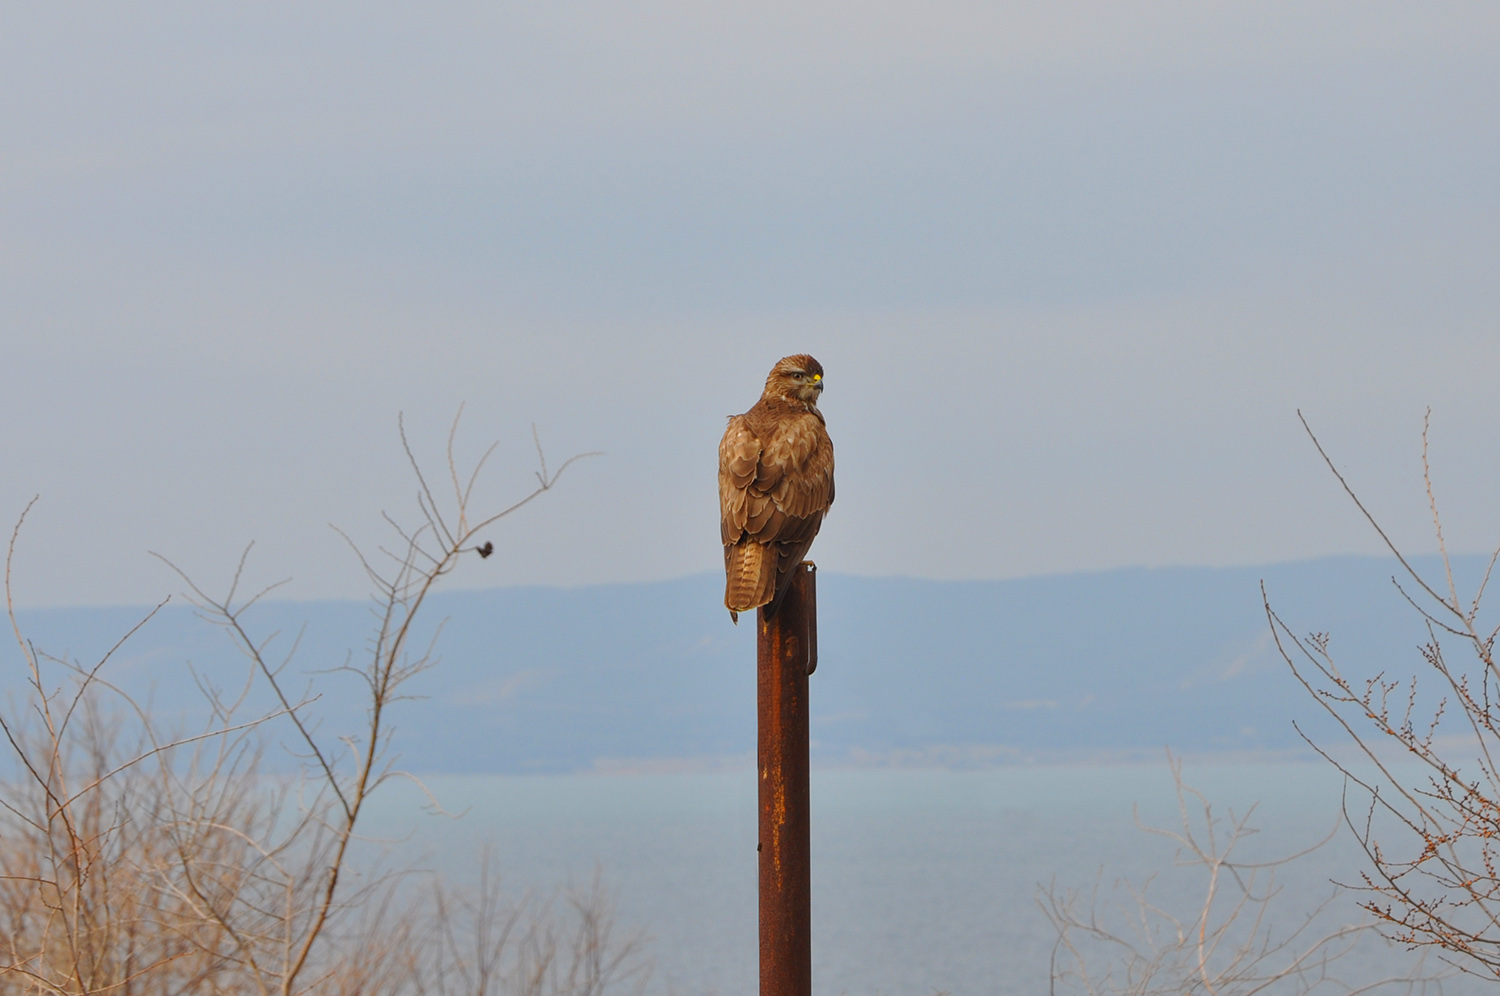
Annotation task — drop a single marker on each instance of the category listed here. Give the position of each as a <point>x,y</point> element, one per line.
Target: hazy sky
<point>1071,268</point>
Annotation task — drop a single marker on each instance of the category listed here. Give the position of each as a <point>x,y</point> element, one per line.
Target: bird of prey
<point>775,485</point>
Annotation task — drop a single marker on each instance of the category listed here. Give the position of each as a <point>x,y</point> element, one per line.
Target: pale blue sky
<point>1071,267</point>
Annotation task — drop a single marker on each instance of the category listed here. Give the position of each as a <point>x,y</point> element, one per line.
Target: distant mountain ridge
<point>1106,664</point>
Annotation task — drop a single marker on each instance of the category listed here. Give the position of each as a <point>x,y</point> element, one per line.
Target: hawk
<point>775,485</point>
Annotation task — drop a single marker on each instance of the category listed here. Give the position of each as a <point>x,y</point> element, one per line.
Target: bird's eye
<point>798,374</point>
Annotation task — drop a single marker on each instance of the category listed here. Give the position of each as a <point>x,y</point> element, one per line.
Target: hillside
<point>1113,663</point>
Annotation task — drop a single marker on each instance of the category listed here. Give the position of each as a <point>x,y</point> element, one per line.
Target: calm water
<point>922,880</point>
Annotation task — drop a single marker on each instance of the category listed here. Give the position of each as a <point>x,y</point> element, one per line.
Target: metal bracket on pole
<point>787,652</point>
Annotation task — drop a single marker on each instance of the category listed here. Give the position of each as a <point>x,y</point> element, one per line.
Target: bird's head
<point>796,378</point>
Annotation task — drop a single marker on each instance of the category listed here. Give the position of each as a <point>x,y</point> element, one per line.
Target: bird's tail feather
<point>750,577</point>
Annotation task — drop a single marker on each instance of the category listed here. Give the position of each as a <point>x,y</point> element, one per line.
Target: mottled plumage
<point>775,484</point>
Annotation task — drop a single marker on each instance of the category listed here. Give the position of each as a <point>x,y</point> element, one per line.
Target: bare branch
<point>1433,878</point>
<point>1368,517</point>
<point>1228,943</point>
<point>133,859</point>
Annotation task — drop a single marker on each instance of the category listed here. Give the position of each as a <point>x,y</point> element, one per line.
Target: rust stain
<point>786,654</point>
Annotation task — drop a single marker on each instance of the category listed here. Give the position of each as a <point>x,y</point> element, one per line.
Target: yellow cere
<point>817,376</point>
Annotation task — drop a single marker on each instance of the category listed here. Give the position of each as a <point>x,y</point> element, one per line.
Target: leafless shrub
<point>137,859</point>
<point>1424,806</point>
<point>1233,940</point>
<point>479,942</point>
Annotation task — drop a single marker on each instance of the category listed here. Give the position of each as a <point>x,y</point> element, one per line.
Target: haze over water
<point>923,880</point>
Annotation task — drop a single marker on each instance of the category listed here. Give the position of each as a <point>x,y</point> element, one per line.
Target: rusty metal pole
<point>787,653</point>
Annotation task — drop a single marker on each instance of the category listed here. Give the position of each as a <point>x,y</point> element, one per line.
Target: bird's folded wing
<point>739,459</point>
<point>774,489</point>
